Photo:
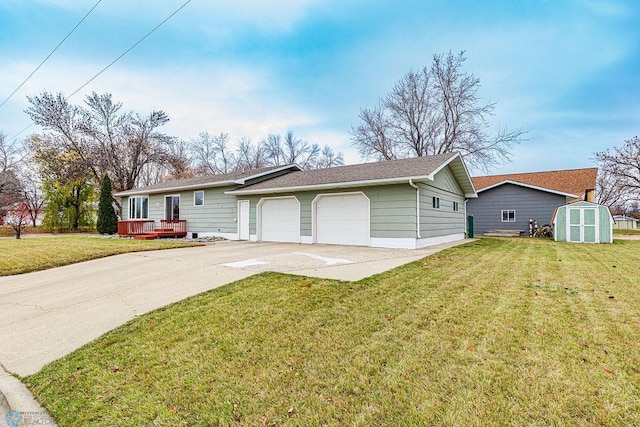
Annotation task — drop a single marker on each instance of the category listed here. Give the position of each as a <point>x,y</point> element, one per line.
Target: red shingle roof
<point>572,181</point>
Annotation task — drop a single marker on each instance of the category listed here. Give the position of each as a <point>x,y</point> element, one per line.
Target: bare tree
<point>211,154</point>
<point>104,138</point>
<point>273,149</point>
<point>32,194</point>
<point>619,179</point>
<point>290,149</point>
<point>329,158</point>
<point>13,207</point>
<point>432,111</point>
<point>298,151</point>
<point>10,184</point>
<point>10,158</point>
<point>250,155</point>
<point>373,135</point>
<point>9,153</point>
<point>15,211</point>
<point>609,191</point>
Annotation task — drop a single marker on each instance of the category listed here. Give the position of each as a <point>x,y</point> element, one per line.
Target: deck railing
<point>178,226</point>
<point>135,227</point>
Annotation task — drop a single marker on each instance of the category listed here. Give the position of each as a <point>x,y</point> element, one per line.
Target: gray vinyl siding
<point>527,202</point>
<point>218,215</point>
<point>444,220</point>
<point>392,209</point>
<point>156,206</point>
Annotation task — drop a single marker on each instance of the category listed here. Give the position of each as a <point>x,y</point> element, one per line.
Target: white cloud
<point>232,98</point>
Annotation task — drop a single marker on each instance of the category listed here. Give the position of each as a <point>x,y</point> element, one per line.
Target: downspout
<point>466,219</point>
<point>417,208</point>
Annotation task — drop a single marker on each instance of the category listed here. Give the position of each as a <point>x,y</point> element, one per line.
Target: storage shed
<point>583,222</point>
<point>623,222</point>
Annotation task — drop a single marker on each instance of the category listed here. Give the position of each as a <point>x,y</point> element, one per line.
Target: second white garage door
<point>342,219</point>
<point>280,220</point>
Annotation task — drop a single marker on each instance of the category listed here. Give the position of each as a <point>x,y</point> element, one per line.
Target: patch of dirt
<point>626,236</point>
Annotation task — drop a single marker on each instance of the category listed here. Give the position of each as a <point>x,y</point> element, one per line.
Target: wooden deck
<point>146,229</point>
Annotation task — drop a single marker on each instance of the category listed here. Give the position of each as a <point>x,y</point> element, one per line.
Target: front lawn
<point>497,332</point>
<point>40,253</point>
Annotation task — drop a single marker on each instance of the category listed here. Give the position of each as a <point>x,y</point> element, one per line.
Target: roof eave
<point>522,184</point>
<point>333,185</point>
<point>242,181</point>
<point>176,188</point>
<point>238,181</point>
<point>464,179</point>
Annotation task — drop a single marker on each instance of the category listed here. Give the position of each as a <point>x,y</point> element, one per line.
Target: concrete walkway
<point>48,314</point>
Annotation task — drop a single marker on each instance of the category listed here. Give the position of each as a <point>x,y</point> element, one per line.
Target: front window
<point>435,202</point>
<point>508,216</point>
<point>138,207</point>
<point>198,198</point>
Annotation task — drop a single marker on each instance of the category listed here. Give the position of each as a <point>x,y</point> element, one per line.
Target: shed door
<point>589,232</point>
<point>583,225</point>
<point>342,219</point>
<point>280,220</point>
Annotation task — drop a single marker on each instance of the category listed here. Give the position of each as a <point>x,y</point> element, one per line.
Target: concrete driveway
<point>48,314</point>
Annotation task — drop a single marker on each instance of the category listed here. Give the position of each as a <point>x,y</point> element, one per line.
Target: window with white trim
<point>508,216</point>
<point>456,207</point>
<point>138,207</point>
<point>198,198</point>
<point>435,202</point>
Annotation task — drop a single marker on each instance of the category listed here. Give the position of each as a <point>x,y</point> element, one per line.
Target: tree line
<point>65,164</point>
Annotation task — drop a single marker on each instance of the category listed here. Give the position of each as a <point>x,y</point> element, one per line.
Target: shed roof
<point>624,218</point>
<point>570,181</point>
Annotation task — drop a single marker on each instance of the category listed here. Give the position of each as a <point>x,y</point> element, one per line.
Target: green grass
<point>41,253</point>
<point>497,332</point>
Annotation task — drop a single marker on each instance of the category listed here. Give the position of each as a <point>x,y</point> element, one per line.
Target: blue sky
<point>569,71</point>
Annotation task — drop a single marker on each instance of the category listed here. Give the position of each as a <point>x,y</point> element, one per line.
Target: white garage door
<point>280,220</point>
<point>343,219</point>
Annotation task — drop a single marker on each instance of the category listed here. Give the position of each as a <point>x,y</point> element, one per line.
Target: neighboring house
<point>408,203</point>
<point>583,222</point>
<point>508,202</point>
<point>623,222</point>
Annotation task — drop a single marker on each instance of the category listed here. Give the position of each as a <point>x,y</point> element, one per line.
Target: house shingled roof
<point>571,181</point>
<point>201,181</point>
<point>377,171</point>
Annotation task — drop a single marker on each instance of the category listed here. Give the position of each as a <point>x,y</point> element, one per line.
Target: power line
<point>130,49</point>
<point>51,53</point>
<point>117,59</point>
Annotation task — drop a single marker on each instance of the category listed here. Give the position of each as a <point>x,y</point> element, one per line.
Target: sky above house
<point>566,70</point>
